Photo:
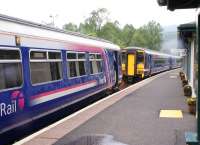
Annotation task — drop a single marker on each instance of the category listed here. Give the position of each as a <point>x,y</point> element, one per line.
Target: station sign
<point>179,52</point>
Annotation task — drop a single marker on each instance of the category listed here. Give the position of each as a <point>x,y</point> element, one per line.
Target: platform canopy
<point>186,32</point>
<point>179,4</point>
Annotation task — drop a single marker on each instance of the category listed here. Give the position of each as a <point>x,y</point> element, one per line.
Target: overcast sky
<point>136,12</point>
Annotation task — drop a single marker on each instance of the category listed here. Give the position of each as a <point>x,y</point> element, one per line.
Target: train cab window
<point>45,66</point>
<point>140,57</point>
<point>10,69</point>
<point>76,64</point>
<point>123,58</point>
<point>95,63</point>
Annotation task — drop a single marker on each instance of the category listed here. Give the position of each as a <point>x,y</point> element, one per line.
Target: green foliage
<point>149,36</point>
<point>97,25</point>
<point>127,35</point>
<point>70,27</point>
<point>93,24</point>
<point>110,31</point>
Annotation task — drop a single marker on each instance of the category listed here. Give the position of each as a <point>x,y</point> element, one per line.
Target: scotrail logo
<point>17,101</point>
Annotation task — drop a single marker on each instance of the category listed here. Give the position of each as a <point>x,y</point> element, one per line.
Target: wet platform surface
<point>134,119</point>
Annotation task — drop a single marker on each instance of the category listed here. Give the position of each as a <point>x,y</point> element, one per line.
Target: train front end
<point>133,64</point>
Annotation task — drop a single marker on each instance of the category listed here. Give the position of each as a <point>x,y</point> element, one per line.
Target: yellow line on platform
<point>171,113</point>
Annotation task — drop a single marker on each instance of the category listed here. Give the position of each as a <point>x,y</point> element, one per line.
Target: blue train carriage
<point>133,63</point>
<point>44,69</point>
<point>159,62</point>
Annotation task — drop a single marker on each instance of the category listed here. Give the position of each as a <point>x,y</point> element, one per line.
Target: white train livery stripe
<point>52,96</point>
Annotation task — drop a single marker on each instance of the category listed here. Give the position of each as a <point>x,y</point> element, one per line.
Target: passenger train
<point>44,69</point>
<point>140,62</point>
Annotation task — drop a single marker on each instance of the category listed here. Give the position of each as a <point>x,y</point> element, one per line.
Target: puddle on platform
<point>173,77</point>
<point>95,140</point>
<point>174,74</point>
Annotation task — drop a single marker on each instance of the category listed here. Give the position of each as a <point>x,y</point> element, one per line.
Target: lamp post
<point>53,17</point>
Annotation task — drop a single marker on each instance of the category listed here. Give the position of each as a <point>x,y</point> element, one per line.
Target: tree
<point>70,27</point>
<point>139,39</point>
<point>87,29</point>
<point>111,31</point>
<point>149,36</point>
<point>97,25</point>
<point>127,34</point>
<point>93,24</point>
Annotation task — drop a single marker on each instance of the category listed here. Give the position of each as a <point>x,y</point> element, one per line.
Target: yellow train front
<point>133,63</point>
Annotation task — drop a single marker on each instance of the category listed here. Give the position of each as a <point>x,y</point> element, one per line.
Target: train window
<point>99,66</point>
<point>81,63</point>
<point>95,63</point>
<point>45,69</point>
<point>123,57</point>
<point>99,63</point>
<point>72,71</point>
<point>158,62</point>
<point>76,64</point>
<point>140,57</point>
<point>81,56</point>
<point>54,55</point>
<point>10,69</point>
<point>71,55</point>
<point>9,54</point>
<point>38,55</point>
<point>92,56</point>
<point>98,56</point>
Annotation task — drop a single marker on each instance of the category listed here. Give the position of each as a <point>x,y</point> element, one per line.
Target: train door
<point>124,62</point>
<point>140,60</point>
<point>131,64</point>
<point>113,67</point>
<point>147,64</point>
<point>150,63</point>
<point>115,63</point>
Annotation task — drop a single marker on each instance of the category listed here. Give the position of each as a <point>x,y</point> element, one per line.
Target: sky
<point>135,12</point>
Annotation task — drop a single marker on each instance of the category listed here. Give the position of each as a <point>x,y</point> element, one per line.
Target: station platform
<point>129,117</point>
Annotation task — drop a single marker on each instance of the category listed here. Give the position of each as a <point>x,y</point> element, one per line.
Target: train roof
<point>16,26</point>
<point>149,51</point>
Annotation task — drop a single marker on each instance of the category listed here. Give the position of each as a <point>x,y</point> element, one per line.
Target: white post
<point>192,64</point>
